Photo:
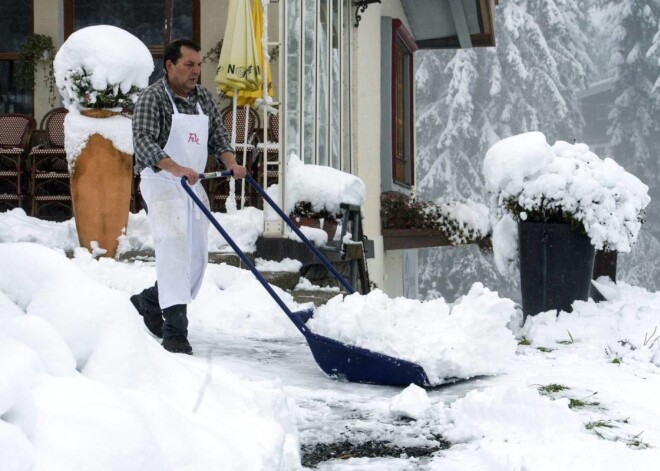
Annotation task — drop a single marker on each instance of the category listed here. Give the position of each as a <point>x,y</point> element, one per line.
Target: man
<point>176,125</point>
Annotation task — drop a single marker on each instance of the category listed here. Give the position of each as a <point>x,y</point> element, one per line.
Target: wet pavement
<point>335,419</point>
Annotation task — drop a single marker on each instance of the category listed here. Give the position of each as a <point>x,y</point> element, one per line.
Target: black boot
<point>175,329</point>
<point>146,303</point>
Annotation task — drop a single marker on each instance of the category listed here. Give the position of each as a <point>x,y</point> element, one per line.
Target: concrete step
<point>287,281</point>
<point>318,297</point>
<point>283,279</point>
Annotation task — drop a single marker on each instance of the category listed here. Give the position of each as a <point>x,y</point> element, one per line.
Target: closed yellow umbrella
<point>239,65</point>
<point>248,97</point>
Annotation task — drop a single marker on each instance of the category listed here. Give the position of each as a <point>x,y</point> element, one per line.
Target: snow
<point>323,186</point>
<point>315,235</point>
<point>81,377</point>
<point>244,227</point>
<point>470,215</point>
<point>511,160</point>
<point>82,362</point>
<point>78,129</point>
<point>469,338</point>
<point>110,55</point>
<point>413,402</point>
<point>505,245</point>
<point>287,265</point>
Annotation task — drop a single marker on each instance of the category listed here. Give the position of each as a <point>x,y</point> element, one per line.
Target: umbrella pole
<point>264,94</point>
<point>232,192</point>
<point>233,120</point>
<point>245,163</point>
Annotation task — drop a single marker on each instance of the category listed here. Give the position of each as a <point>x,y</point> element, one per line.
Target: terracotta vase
<point>99,112</point>
<point>101,193</point>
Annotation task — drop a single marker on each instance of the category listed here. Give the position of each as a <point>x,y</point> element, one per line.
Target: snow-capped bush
<point>536,182</point>
<point>81,91</point>
<point>102,67</point>
<point>460,222</point>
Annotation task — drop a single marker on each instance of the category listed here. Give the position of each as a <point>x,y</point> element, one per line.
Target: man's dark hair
<point>173,50</point>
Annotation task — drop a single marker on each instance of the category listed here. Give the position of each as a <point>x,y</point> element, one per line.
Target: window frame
<point>157,50</point>
<point>15,56</point>
<point>403,43</point>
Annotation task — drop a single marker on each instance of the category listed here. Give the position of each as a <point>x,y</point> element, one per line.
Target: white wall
<point>394,9</point>
<point>48,19</point>
<point>366,128</point>
<point>213,16</point>
<point>386,269</point>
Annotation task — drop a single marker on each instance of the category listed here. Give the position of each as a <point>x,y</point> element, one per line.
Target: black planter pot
<point>556,265</point>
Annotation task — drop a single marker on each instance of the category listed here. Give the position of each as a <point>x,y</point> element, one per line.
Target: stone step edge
<point>286,281</point>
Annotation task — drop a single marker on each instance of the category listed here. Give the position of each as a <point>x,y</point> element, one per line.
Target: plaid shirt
<point>152,122</point>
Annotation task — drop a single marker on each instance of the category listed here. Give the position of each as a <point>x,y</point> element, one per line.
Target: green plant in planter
<point>542,213</point>
<point>304,209</point>
<point>80,90</point>
<point>404,212</point>
<point>37,49</point>
<point>537,189</point>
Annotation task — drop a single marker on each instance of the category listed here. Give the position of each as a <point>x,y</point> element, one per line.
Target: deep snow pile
<point>78,372</point>
<point>581,393</point>
<point>463,340</point>
<point>625,328</point>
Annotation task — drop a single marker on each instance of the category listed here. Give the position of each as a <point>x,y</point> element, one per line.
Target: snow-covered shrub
<point>460,222</point>
<point>533,181</point>
<point>305,209</point>
<point>102,67</point>
<point>82,92</point>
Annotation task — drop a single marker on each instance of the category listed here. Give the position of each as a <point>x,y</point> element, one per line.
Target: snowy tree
<point>635,129</point>
<point>469,99</point>
<point>635,119</point>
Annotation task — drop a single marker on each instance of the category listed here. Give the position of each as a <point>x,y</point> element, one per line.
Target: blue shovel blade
<point>359,365</point>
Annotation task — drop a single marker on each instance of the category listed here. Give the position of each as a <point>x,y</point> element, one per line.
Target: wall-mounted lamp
<point>361,7</point>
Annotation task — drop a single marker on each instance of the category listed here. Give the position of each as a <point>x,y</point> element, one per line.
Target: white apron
<point>180,229</point>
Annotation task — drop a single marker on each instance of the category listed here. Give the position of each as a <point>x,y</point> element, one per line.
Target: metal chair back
<point>53,125</point>
<point>15,130</point>
<point>243,133</point>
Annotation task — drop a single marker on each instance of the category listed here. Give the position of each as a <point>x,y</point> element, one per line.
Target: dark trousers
<point>175,318</point>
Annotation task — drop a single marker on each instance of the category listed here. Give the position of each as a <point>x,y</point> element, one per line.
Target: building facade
<point>343,77</point>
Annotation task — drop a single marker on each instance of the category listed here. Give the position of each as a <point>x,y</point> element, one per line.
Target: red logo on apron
<point>192,137</point>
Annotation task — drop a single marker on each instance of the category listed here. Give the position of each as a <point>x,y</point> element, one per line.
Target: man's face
<point>183,75</point>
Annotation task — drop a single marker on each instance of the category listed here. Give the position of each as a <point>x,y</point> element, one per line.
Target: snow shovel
<point>336,359</point>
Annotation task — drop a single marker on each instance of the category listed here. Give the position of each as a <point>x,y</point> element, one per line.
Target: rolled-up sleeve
<point>146,130</point>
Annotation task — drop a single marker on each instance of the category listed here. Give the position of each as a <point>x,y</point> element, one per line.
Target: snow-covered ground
<point>84,386</point>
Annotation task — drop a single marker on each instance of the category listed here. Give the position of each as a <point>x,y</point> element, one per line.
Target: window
<point>145,19</point>
<point>317,81</point>
<point>403,46</point>
<point>15,27</point>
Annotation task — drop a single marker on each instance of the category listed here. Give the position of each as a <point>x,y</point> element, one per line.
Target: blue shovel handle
<point>285,218</point>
